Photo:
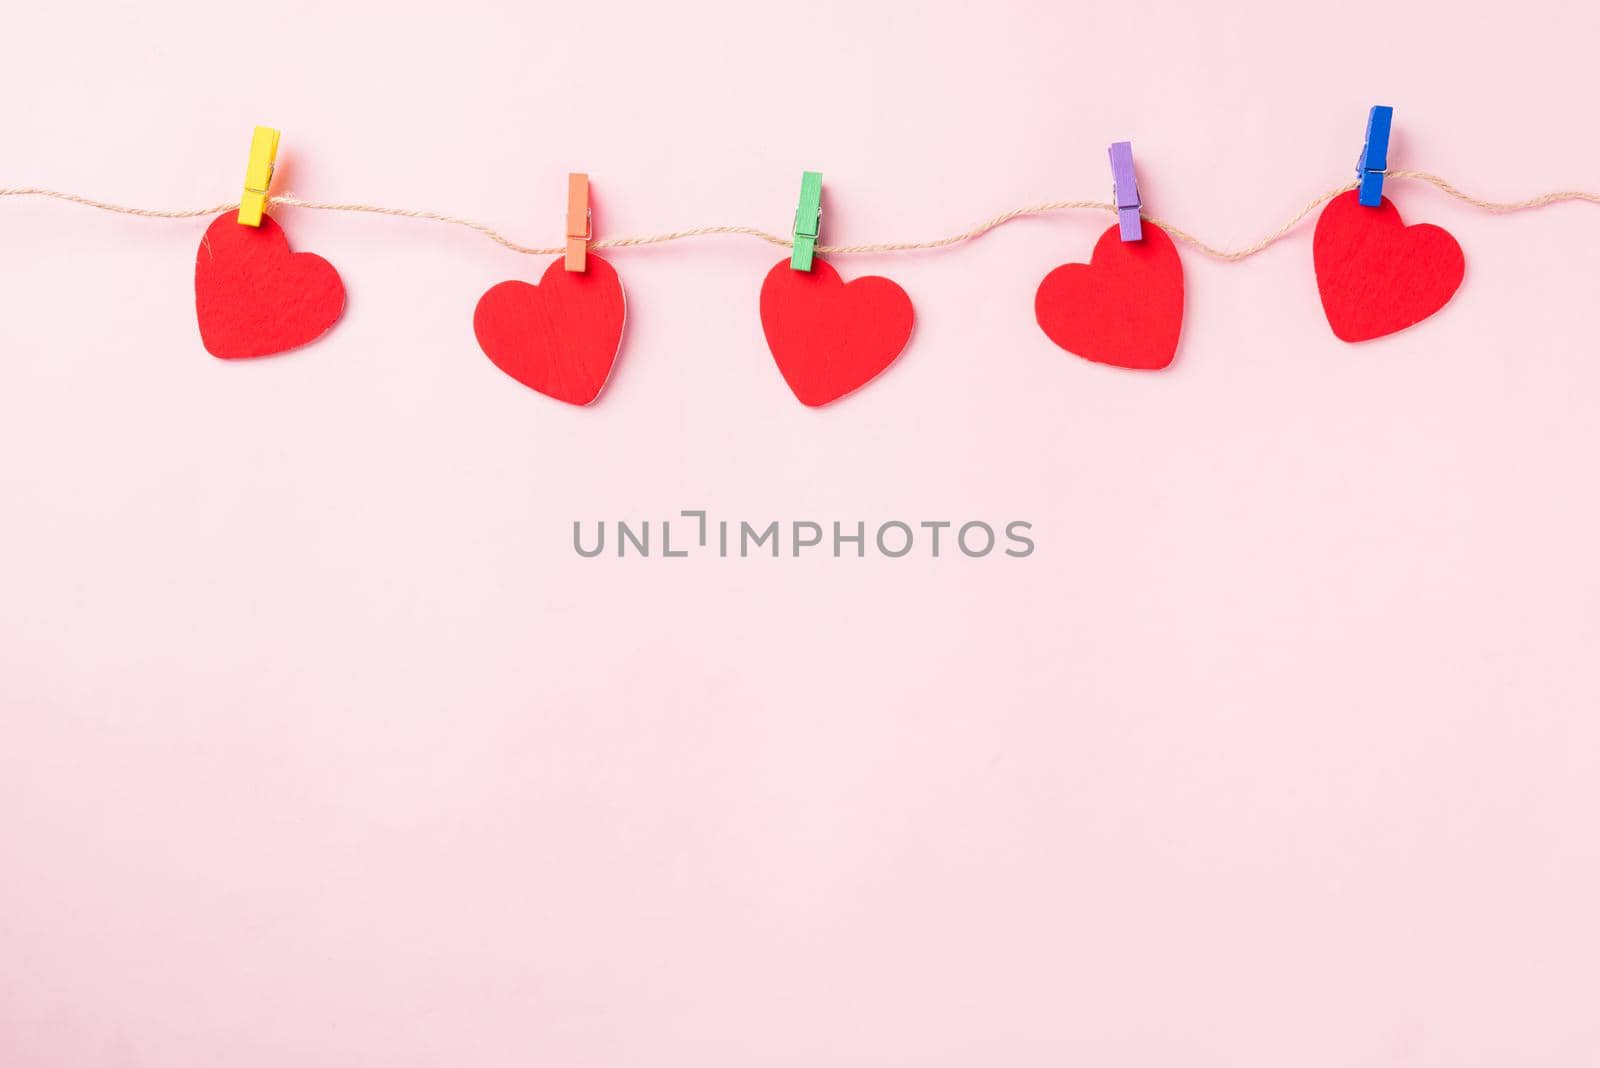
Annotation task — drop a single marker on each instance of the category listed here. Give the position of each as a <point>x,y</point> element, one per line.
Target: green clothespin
<point>807,221</point>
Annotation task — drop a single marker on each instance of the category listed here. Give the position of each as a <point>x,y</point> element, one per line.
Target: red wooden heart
<point>830,337</point>
<point>1377,275</point>
<point>254,297</point>
<point>1123,307</point>
<point>559,337</point>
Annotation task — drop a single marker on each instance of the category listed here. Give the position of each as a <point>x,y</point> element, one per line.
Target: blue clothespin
<point>1374,161</point>
<point>1125,191</point>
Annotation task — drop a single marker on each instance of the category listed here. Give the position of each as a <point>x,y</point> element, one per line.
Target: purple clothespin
<point>1125,190</point>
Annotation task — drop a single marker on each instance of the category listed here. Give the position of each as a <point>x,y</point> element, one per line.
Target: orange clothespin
<point>580,225</point>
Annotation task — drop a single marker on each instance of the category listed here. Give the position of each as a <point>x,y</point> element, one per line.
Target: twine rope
<point>1051,207</point>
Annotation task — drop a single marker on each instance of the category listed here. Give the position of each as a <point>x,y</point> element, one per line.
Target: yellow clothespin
<point>580,228</point>
<point>258,175</point>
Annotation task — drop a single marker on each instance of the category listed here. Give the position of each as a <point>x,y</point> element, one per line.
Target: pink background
<point>321,747</point>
